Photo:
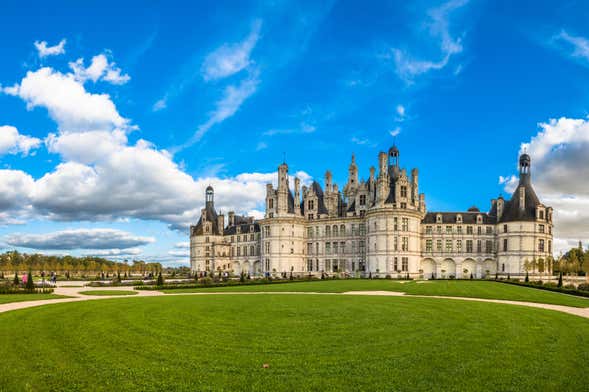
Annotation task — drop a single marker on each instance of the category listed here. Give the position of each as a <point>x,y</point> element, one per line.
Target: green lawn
<point>452,288</point>
<point>321,343</point>
<point>108,292</point>
<point>7,298</point>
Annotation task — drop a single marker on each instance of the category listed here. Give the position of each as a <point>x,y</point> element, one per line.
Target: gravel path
<point>74,293</point>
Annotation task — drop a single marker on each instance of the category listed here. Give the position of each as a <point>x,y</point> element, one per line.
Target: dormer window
<point>479,219</point>
<point>403,191</point>
<point>438,218</point>
<point>459,218</point>
<point>270,203</point>
<point>362,200</point>
<point>541,214</point>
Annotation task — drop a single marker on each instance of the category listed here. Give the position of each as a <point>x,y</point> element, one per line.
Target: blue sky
<point>114,117</point>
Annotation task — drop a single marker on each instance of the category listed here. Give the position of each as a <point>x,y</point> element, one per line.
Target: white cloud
<point>179,253</point>
<point>78,239</point>
<point>114,252</point>
<point>400,109</point>
<point>395,132</point>
<point>560,169</point>
<point>303,128</point>
<point>361,141</point>
<point>408,67</point>
<point>182,245</point>
<point>233,98</point>
<point>16,188</point>
<point>44,50</point>
<point>100,68</point>
<point>86,147</point>
<point>12,142</point>
<point>578,44</point>
<point>68,103</point>
<point>231,58</point>
<point>261,146</point>
<point>160,105</point>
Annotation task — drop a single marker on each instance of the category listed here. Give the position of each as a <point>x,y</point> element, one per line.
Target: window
<point>267,231</point>
<point>309,265</point>
<point>439,229</point>
<point>489,246</point>
<point>310,216</point>
<point>405,264</point>
<point>335,248</point>
<point>327,231</point>
<point>505,228</point>
<point>459,245</point>
<point>403,205</point>
<point>468,229</point>
<point>541,228</point>
<point>428,245</point>
<point>362,200</point>
<point>353,229</point>
<point>310,232</point>
<point>251,237</point>
<point>267,247</point>
<point>395,224</point>
<point>459,229</point>
<point>468,246</point>
<point>428,230</point>
<point>270,203</point>
<point>448,246</point>
<point>405,244</point>
<point>403,191</point>
<point>439,245</point>
<point>448,229</point>
<point>541,214</point>
<point>328,248</point>
<point>238,238</point>
<point>396,264</point>
<point>540,245</point>
<point>334,231</point>
<point>479,246</point>
<point>405,224</point>
<point>238,251</point>
<point>503,267</point>
<point>549,246</point>
<point>311,204</point>
<point>342,246</point>
<point>396,244</point>
<point>479,230</point>
<point>505,245</point>
<point>362,229</point>
<point>489,230</point>
<point>342,230</point>
<point>251,250</point>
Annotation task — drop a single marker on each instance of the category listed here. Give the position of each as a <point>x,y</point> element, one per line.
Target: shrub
<point>527,278</point>
<point>30,286</point>
<point>550,284</point>
<point>242,277</point>
<point>206,281</point>
<point>15,281</point>
<point>583,287</point>
<point>569,287</point>
<point>471,277</point>
<point>160,280</point>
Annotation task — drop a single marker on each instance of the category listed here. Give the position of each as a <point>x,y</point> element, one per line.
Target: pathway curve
<point>75,296</point>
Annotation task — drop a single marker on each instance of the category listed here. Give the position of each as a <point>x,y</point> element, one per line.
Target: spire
<point>525,163</point>
<point>210,197</point>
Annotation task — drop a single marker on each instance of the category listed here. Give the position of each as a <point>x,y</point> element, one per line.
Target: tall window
<point>362,200</point>
<point>428,229</point>
<point>505,245</point>
<point>334,231</point>
<point>395,264</point>
<point>405,244</point>
<point>468,229</point>
<point>328,231</point>
<point>396,243</point>
<point>270,203</point>
<point>328,248</point>
<point>342,230</point>
<point>403,191</point>
<point>505,228</point>
<point>479,230</point>
<point>448,246</point>
<point>459,229</point>
<point>428,245</point>
<point>468,246</point>
<point>438,245</point>
<point>479,246</point>
<point>540,245</point>
<point>459,245</point>
<point>395,224</point>
<point>404,264</point>
<point>405,224</point>
<point>448,229</point>
<point>362,229</point>
<point>541,228</point>
<point>489,230</point>
<point>489,246</point>
<point>311,204</point>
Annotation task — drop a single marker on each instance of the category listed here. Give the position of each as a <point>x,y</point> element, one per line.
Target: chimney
<point>231,218</point>
<point>522,199</point>
<point>221,222</point>
<point>500,205</point>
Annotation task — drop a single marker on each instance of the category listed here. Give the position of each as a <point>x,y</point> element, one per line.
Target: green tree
<point>15,281</point>
<point>30,286</point>
<point>160,280</point>
<point>560,279</point>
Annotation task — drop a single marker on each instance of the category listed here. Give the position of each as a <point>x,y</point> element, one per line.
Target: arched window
<point>334,230</point>
<point>342,230</point>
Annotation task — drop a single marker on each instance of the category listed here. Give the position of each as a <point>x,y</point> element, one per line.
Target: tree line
<point>16,262</point>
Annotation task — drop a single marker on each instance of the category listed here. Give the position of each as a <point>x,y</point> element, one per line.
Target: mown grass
<point>108,292</point>
<point>8,298</point>
<point>322,343</point>
<point>451,288</point>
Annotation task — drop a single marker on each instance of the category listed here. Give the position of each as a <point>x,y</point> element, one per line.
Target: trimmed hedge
<point>549,287</point>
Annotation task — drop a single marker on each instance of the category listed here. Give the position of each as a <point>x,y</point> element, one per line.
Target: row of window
<point>238,251</point>
<point>244,238</point>
<point>459,230</point>
<point>335,265</point>
<point>452,246</point>
<point>335,230</point>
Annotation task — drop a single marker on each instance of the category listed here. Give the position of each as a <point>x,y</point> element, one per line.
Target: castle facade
<point>379,227</point>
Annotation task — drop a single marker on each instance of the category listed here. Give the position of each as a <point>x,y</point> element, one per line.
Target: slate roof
<point>211,216</point>
<point>512,211</point>
<point>450,217</point>
<point>243,228</point>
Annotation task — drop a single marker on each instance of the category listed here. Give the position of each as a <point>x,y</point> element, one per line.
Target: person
<point>24,279</point>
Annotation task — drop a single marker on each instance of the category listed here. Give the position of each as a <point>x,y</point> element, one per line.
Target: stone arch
<point>428,266</point>
<point>449,266</point>
<point>245,267</point>
<point>489,265</point>
<point>470,266</point>
<point>257,267</point>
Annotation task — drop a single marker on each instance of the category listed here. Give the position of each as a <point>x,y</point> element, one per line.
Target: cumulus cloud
<point>100,68</point>
<point>67,101</point>
<point>182,245</point>
<point>43,50</point>
<point>12,142</point>
<point>408,67</point>
<point>79,239</point>
<point>230,59</point>
<point>303,128</point>
<point>114,252</point>
<point>395,132</point>
<point>179,253</point>
<point>560,169</point>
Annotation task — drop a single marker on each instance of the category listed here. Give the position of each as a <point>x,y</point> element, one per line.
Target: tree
<point>160,279</point>
<point>30,286</point>
<point>527,278</point>
<point>15,281</point>
<point>560,279</point>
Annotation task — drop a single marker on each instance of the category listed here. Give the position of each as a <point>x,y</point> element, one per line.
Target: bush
<point>30,286</point>
<point>206,281</point>
<point>160,280</point>
<point>550,284</point>
<point>569,287</point>
<point>15,281</point>
<point>583,287</point>
<point>527,279</point>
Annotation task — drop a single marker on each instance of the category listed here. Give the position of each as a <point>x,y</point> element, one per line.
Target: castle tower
<point>282,191</point>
